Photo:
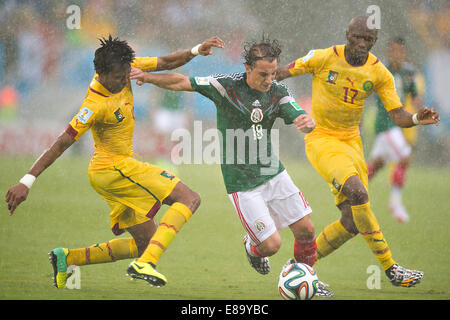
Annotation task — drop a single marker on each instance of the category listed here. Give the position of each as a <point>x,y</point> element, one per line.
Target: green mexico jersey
<point>405,84</point>
<point>245,118</point>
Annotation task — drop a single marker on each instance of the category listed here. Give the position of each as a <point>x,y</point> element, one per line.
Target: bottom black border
<point>222,309</point>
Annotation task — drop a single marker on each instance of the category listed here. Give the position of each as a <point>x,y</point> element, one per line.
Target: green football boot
<point>58,260</point>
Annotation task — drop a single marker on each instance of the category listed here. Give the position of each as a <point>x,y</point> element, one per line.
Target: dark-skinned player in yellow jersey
<point>134,190</point>
<point>343,77</point>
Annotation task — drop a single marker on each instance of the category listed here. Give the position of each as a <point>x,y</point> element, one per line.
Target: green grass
<point>207,260</point>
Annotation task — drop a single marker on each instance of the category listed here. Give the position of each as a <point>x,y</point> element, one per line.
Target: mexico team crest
<point>260,226</point>
<point>256,115</point>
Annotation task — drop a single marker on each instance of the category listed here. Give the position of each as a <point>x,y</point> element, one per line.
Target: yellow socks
<point>125,248</point>
<point>367,225</point>
<point>331,238</point>
<point>116,249</point>
<point>171,222</point>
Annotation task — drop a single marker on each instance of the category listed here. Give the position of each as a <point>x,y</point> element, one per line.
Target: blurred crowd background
<point>46,65</point>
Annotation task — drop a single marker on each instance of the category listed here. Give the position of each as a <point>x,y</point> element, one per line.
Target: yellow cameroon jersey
<point>339,89</point>
<point>110,118</point>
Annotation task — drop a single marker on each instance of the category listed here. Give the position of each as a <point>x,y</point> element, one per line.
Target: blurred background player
<point>134,190</point>
<point>170,114</point>
<point>264,196</point>
<point>392,143</point>
<point>343,77</point>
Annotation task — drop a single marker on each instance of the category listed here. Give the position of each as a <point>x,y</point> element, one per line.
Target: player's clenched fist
<point>304,123</point>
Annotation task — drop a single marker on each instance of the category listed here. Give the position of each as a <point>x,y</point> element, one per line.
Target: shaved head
<point>361,23</point>
<point>360,39</point>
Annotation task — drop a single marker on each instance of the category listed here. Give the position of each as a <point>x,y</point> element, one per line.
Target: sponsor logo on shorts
<point>336,185</point>
<point>260,226</point>
<point>167,175</point>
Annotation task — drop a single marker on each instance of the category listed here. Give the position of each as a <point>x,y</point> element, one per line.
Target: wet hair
<point>398,40</point>
<point>111,52</point>
<point>265,49</point>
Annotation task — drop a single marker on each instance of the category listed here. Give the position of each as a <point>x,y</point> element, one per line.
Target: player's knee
<point>271,245</point>
<point>271,249</point>
<point>357,194</point>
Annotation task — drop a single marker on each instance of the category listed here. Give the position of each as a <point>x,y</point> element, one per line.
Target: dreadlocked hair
<point>264,49</point>
<point>111,52</point>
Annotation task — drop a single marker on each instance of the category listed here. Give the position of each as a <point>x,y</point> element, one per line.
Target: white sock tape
<point>28,180</point>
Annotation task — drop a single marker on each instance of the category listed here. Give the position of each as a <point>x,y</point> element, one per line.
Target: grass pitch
<point>207,259</point>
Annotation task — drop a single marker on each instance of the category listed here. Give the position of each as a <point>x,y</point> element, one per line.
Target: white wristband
<point>194,50</point>
<point>28,180</point>
<point>414,119</point>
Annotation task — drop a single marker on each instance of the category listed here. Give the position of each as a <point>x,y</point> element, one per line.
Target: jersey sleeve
<point>84,119</point>
<point>209,87</point>
<point>385,88</point>
<point>310,63</point>
<point>289,108</point>
<point>145,63</point>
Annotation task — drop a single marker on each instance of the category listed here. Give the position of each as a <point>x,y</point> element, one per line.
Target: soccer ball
<point>297,281</point>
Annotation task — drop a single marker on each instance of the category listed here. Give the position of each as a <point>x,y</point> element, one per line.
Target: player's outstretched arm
<point>18,193</point>
<point>424,116</point>
<point>283,73</point>
<point>179,58</point>
<point>169,81</point>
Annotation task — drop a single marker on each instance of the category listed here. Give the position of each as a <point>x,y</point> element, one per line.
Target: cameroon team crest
<point>257,115</point>
<point>332,77</point>
<point>119,115</point>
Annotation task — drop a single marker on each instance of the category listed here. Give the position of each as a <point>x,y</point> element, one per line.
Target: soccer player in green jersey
<point>263,195</point>
<point>390,143</point>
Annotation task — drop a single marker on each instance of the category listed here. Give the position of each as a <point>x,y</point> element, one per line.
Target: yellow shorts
<point>410,135</point>
<point>134,191</point>
<point>336,160</point>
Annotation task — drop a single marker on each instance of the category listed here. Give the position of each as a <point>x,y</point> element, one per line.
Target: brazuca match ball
<point>297,281</point>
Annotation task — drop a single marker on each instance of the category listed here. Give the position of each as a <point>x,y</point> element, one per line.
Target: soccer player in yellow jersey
<point>134,190</point>
<point>343,77</point>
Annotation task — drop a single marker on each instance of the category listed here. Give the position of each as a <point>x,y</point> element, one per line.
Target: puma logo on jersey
<point>348,79</point>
